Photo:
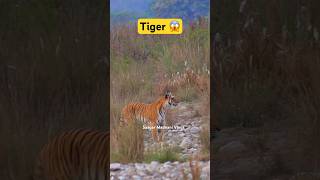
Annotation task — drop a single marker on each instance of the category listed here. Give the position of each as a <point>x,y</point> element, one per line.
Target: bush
<point>163,155</point>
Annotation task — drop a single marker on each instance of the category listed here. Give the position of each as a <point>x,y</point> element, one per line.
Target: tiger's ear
<point>168,94</point>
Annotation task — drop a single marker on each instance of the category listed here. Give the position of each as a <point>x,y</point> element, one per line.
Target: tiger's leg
<point>160,132</point>
<point>155,134</point>
<point>161,138</point>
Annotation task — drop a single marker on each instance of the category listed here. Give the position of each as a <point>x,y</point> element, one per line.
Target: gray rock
<point>139,166</point>
<point>196,137</point>
<point>206,169</point>
<point>186,137</point>
<point>176,162</point>
<point>186,143</point>
<point>195,130</point>
<point>192,150</point>
<point>163,170</point>
<point>115,166</point>
<point>131,171</point>
<point>153,166</point>
<point>164,178</point>
<point>135,177</point>
<point>141,173</point>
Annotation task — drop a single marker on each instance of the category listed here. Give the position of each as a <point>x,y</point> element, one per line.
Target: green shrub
<point>163,155</point>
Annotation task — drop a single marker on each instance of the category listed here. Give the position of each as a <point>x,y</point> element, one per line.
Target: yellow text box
<point>160,26</point>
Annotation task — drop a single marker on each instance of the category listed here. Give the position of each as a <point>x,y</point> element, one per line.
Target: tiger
<point>74,155</point>
<point>152,115</point>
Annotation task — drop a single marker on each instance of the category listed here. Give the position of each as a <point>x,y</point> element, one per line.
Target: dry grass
<point>129,142</point>
<point>53,78</point>
<point>194,169</point>
<point>204,111</point>
<point>205,142</point>
<point>144,67</point>
<point>171,117</point>
<point>267,78</point>
<point>266,73</point>
<point>185,81</point>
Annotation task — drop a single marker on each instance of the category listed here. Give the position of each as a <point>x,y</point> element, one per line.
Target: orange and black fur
<point>152,115</point>
<point>75,155</point>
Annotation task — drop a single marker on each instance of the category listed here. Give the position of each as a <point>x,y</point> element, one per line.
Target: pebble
<point>186,137</point>
<point>186,143</point>
<point>195,130</point>
<point>165,171</point>
<point>115,166</point>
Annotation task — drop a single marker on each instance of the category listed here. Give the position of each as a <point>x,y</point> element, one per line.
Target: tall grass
<point>194,169</point>
<point>53,77</point>
<point>130,145</point>
<point>143,67</point>
<point>139,63</point>
<point>268,74</point>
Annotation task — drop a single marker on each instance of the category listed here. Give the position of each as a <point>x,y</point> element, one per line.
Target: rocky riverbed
<point>186,136</point>
<point>188,123</point>
<point>156,170</point>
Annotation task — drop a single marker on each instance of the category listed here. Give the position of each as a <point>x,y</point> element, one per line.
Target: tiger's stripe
<point>152,114</point>
<point>75,155</point>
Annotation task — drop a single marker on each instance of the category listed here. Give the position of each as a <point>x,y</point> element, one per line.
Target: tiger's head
<point>170,100</point>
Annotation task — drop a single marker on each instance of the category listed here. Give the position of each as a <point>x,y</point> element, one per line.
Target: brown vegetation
<point>53,76</point>
<point>268,70</point>
<point>144,67</point>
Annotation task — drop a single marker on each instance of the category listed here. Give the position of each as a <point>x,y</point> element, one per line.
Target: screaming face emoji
<point>174,26</point>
